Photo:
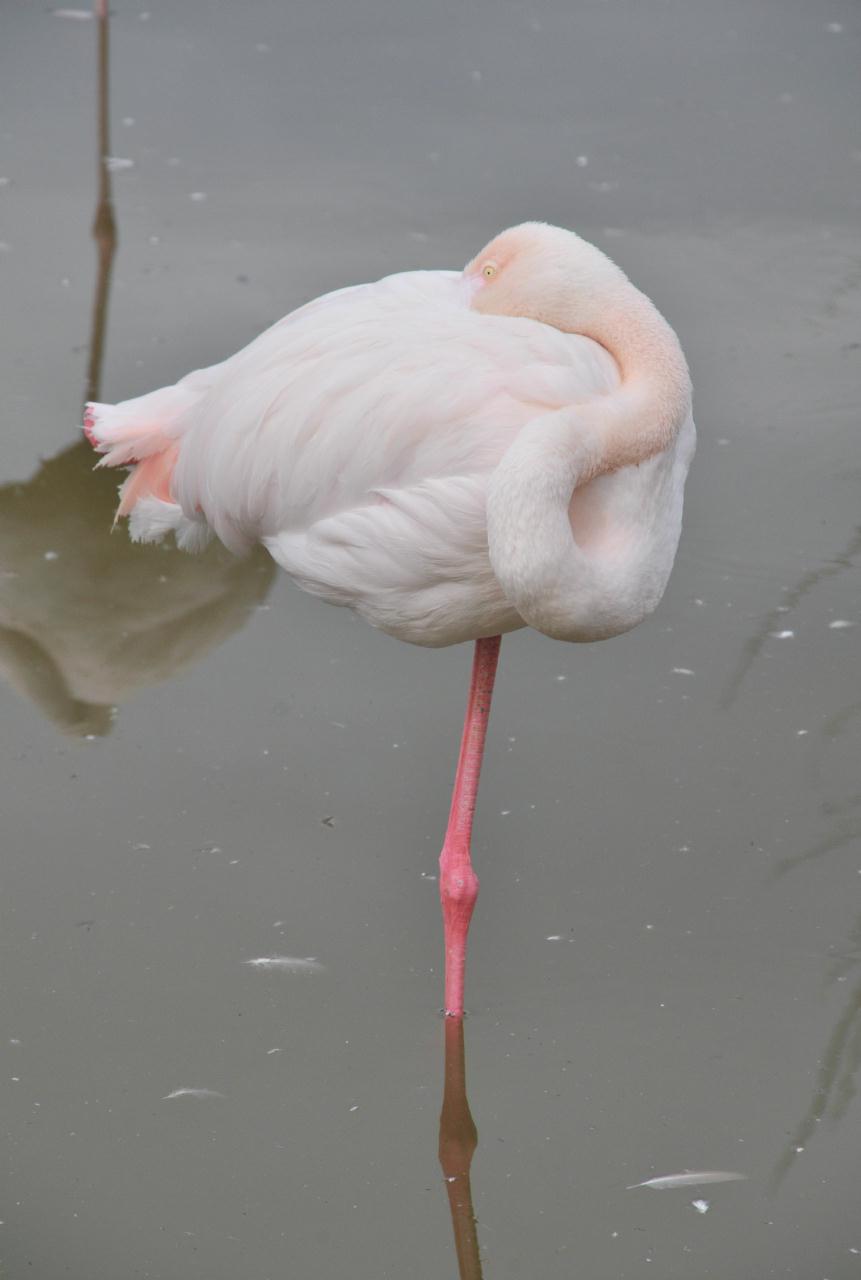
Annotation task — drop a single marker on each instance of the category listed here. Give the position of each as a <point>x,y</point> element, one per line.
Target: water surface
<point>204,769</point>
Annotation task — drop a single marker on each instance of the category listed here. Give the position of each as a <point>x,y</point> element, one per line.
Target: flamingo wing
<point>355,438</point>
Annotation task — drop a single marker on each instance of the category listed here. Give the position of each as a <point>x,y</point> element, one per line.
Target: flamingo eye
<point>489,270</point>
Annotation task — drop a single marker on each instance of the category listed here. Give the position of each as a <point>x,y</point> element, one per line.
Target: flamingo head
<point>543,273</point>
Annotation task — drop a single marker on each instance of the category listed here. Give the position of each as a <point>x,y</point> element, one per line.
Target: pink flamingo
<point>453,455</point>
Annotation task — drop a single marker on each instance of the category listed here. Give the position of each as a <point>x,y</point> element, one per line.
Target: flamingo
<point>453,455</point>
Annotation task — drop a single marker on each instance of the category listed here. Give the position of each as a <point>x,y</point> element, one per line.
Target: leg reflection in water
<point>104,222</point>
<point>458,1139</point>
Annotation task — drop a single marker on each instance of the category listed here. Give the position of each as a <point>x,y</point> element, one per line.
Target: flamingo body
<point>452,456</point>
<point>355,439</point>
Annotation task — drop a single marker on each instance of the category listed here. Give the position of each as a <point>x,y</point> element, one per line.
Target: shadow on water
<point>835,1081</point>
<point>846,826</point>
<point>841,1059</point>
<point>792,597</point>
<point>845,833</point>
<point>840,1062</point>
<point>85,618</point>
<point>458,1139</point>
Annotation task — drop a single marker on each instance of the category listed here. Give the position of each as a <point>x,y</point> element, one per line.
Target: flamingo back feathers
<point>356,439</point>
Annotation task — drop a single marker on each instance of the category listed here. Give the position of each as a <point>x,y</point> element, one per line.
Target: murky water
<point>205,769</point>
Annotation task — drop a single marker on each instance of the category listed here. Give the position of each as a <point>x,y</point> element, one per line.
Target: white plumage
<point>357,438</point>
<point>451,456</point>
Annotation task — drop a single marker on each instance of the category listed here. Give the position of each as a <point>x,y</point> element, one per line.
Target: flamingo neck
<point>647,410</point>
<point>554,584</point>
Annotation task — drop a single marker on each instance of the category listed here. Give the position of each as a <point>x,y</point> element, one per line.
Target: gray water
<point>204,767</point>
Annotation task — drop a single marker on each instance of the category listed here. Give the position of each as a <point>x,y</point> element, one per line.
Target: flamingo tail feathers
<point>144,434</point>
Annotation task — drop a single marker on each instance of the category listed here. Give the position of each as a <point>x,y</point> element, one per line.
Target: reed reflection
<point>840,1061</point>
<point>458,1139</point>
<point>792,596</point>
<point>836,1080</point>
<point>87,619</point>
<point>839,1064</point>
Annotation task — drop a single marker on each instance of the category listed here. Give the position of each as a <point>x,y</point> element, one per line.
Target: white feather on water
<point>688,1178</point>
<point>192,1093</point>
<point>287,964</point>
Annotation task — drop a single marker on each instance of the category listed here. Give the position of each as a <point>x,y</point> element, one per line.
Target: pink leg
<point>458,883</point>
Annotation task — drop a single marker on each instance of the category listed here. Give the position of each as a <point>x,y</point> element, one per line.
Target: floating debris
<point>288,964</point>
<point>192,1093</point>
<point>781,635</point>
<point>840,624</point>
<point>77,15</point>
<point>688,1178</point>
<point>701,1206</point>
<point>116,164</point>
<point>682,671</point>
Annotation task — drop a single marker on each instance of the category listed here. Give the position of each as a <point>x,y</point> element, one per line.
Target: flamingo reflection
<point>86,619</point>
<point>458,1139</point>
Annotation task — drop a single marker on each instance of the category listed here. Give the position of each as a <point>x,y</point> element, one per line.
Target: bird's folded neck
<point>644,415</point>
